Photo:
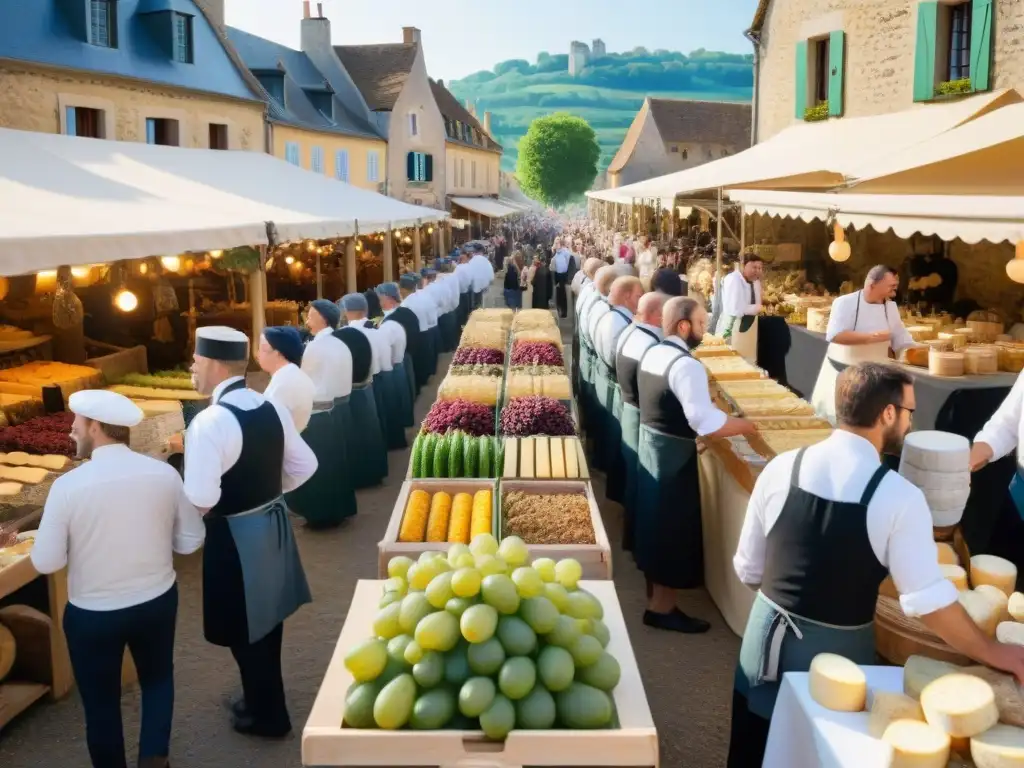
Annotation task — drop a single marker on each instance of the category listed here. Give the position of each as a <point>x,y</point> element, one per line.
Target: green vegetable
<point>484,469</point>
<point>418,447</point>
<point>429,446</point>
<point>471,456</point>
<point>455,455</point>
<point>440,465</point>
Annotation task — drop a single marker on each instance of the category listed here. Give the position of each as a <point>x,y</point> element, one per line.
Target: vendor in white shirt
<point>582,356</point>
<point>483,274</point>
<point>326,360</point>
<point>413,300</point>
<point>863,327</point>
<point>115,523</point>
<point>280,355</point>
<point>741,304</point>
<point>824,527</point>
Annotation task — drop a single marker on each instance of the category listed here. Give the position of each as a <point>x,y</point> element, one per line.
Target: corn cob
<point>462,512</point>
<point>437,523</point>
<point>481,514</point>
<point>414,521</point>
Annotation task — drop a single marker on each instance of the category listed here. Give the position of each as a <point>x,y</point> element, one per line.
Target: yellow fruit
<point>396,584</point>
<point>568,572</point>
<point>513,551</point>
<point>466,582</point>
<point>386,623</point>
<point>488,564</point>
<point>399,566</point>
<point>545,566</point>
<point>439,590</point>
<point>484,544</point>
<point>465,560</point>
<point>558,595</point>
<point>367,660</point>
<point>454,551</point>
<point>528,582</point>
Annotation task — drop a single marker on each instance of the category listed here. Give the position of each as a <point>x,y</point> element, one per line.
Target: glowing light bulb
<point>216,254</point>
<point>171,263</point>
<point>398,233</point>
<point>430,230</point>
<point>143,268</point>
<point>289,260</point>
<point>80,272</point>
<point>126,301</point>
<point>310,246</point>
<point>839,250</point>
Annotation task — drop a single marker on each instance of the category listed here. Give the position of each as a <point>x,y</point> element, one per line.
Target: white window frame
<point>373,166</point>
<point>184,25</point>
<point>341,165</point>
<point>293,153</point>
<point>316,160</point>
<point>104,106</point>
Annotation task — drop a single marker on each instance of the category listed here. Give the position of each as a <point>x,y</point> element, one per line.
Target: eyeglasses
<point>910,411</point>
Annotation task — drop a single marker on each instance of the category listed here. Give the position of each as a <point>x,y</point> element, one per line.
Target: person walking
<point>115,523</point>
<point>513,283</point>
<point>560,269</point>
<point>541,284</point>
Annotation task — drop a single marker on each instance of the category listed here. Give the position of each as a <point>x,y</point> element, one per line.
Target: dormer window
<point>273,82</point>
<point>183,48</point>
<point>323,102</point>
<point>103,23</point>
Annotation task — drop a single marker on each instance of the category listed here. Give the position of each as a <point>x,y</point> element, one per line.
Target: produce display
<point>456,454</point>
<point>483,335</point>
<point>523,384</point>
<point>550,335</point>
<point>532,318</point>
<point>476,369</point>
<point>476,389</point>
<point>535,415</point>
<point>537,353</point>
<point>34,376</point>
<point>163,380</point>
<point>459,415</point>
<point>547,518</point>
<point>481,639</point>
<point>478,356</point>
<point>443,517</point>
<point>544,458</point>
<point>41,435</point>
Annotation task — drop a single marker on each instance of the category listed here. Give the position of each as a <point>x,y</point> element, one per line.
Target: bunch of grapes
<point>536,353</point>
<point>478,356</point>
<point>536,415</point>
<point>454,415</point>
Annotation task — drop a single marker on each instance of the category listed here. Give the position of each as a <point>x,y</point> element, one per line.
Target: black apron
<point>817,595</point>
<point>611,445</point>
<point>668,536</point>
<point>367,449</point>
<point>252,575</point>
<point>406,318</point>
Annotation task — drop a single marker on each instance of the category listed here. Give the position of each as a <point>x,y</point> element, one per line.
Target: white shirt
<point>213,443</point>
<point>328,362</point>
<point>598,308</point>
<point>417,303</point>
<point>646,263</point>
<point>380,345</point>
<point>560,263</point>
<point>450,283</point>
<point>607,332</point>
<point>291,387</point>
<point>395,334</point>
<point>1005,430</point>
<point>898,520</point>
<point>483,272</point>
<point>633,343</point>
<point>588,299</point>
<point>579,282</point>
<point>736,295</point>
<point>465,275</point>
<point>869,319</point>
<point>116,522</point>
<point>688,380</point>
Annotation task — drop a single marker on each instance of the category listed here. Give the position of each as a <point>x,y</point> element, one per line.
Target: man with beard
<point>675,410</point>
<point>115,522</point>
<point>824,526</point>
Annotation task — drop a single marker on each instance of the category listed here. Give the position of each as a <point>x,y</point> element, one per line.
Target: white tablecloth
<point>804,734</point>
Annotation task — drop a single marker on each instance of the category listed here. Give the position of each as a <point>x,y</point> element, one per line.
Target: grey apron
<point>328,497</point>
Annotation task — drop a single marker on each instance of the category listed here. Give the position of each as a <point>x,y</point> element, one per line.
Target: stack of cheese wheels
<point>939,464</point>
<point>981,358</point>
<point>989,569</point>
<point>817,319</point>
<point>837,683</point>
<point>942,363</point>
<point>1001,746</point>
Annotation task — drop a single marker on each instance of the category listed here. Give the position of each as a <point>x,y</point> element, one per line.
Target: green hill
<point>607,93</point>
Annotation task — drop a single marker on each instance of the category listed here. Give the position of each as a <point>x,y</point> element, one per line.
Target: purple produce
<point>478,356</point>
<point>474,418</point>
<point>536,415</point>
<point>536,353</point>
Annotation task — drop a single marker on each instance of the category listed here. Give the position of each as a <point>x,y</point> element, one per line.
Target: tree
<point>557,158</point>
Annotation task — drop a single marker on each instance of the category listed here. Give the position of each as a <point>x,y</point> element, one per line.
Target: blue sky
<point>463,36</point>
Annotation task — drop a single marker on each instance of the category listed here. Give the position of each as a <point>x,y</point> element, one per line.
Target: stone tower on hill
<point>579,55</point>
<point>597,49</point>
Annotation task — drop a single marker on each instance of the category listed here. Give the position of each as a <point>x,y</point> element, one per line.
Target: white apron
<point>743,341</point>
<point>838,357</point>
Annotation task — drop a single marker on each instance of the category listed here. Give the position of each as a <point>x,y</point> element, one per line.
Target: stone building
<point>132,70</point>
<point>669,135</point>
<point>579,55</point>
<point>597,49</point>
<point>473,157</point>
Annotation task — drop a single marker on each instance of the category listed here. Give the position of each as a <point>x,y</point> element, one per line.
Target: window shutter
<point>428,171</point>
<point>71,121</point>
<point>341,165</point>
<point>410,166</point>
<point>924,51</point>
<point>801,79</point>
<point>836,49</point>
<point>981,44</point>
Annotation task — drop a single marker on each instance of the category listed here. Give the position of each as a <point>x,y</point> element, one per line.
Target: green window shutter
<point>801,79</point>
<point>836,47</point>
<point>924,51</point>
<point>981,44</point>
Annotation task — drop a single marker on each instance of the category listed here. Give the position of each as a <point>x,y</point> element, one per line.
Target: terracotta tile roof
<point>629,143</point>
<point>702,122</point>
<point>379,71</point>
<point>452,109</point>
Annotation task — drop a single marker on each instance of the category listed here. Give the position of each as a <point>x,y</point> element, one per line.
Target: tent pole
<point>258,298</point>
<point>319,278</point>
<point>388,267</point>
<point>350,261</point>
<point>417,249</point>
<point>743,229</point>
<point>718,237</point>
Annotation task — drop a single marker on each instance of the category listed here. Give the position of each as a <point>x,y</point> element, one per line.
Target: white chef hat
<point>218,342</point>
<point>106,407</point>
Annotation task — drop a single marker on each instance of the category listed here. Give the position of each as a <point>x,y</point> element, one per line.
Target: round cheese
<point>916,745</point>
<point>1010,632</point>
<point>1001,746</point>
<point>960,705</point>
<point>989,569</point>
<point>936,451</point>
<point>886,707</point>
<point>947,555</point>
<point>956,574</point>
<point>837,683</point>
<point>997,596</point>
<point>982,609</point>
<point>7,651</point>
<point>1016,606</point>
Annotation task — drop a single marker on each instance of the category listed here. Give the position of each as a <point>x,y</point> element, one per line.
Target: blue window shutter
<point>836,46</point>
<point>801,79</point>
<point>317,160</point>
<point>150,130</point>
<point>428,168</point>
<point>981,44</point>
<point>924,51</point>
<point>291,153</point>
<point>341,165</point>
<point>410,166</point>
<point>71,120</point>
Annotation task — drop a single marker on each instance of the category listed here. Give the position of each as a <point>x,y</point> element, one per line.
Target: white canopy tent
<point>78,201</point>
<point>486,206</point>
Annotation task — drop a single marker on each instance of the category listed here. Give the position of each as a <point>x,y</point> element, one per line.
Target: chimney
<point>316,30</point>
<point>410,35</point>
<point>305,9</point>
<point>440,82</point>
<point>215,10</point>
<point>470,108</point>
<point>487,123</point>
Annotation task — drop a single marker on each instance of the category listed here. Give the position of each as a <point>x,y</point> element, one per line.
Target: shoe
<point>236,706</point>
<point>249,727</point>
<point>676,621</point>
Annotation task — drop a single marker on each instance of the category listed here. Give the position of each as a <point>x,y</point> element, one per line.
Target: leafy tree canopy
<point>557,158</point>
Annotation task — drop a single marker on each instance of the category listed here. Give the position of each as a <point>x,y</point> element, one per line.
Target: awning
<point>817,155</point>
<point>517,207</point>
<point>68,200</point>
<point>982,157</point>
<point>971,218</point>
<point>485,206</point>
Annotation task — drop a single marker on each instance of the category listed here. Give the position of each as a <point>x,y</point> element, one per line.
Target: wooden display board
<point>326,743</point>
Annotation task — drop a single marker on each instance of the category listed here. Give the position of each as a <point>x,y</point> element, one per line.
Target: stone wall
<point>34,99</point>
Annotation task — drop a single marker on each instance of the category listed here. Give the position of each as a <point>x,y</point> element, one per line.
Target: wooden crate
<point>390,546</point>
<point>326,742</point>
<point>581,457</point>
<point>596,559</point>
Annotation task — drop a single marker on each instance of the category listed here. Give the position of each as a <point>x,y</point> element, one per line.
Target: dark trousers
<point>561,300</point>
<point>259,665</point>
<point>1008,534</point>
<point>96,644</point>
<point>478,300</point>
<point>748,738</point>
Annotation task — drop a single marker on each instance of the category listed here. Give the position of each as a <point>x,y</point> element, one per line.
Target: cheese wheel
<point>998,597</point>
<point>1010,632</point>
<point>10,489</point>
<point>936,451</point>
<point>960,705</point>
<point>919,671</point>
<point>1001,746</point>
<point>886,707</point>
<point>982,610</point>
<point>989,569</point>
<point>1015,606</point>
<point>956,574</point>
<point>837,683</point>
<point>916,745</point>
<point>7,651</point>
<point>947,555</point>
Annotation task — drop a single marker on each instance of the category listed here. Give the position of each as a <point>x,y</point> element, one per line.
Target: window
<point>821,68</point>
<point>183,38</point>
<point>292,153</point>
<point>819,77</point>
<point>472,174</point>
<point>85,122</point>
<point>959,41</point>
<point>103,23</point>
<point>322,101</point>
<point>274,83</point>
<point>420,167</point>
<point>160,130</point>
<point>317,160</point>
<point>341,165</point>
<point>373,166</point>
<point>462,172</point>
<point>414,128</point>
<point>218,136</point>
<point>674,148</point>
<point>953,53</point>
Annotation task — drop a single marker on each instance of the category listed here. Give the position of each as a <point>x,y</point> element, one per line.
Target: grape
<point>466,582</point>
<point>439,632</point>
<point>545,566</point>
<point>386,624</point>
<point>478,623</point>
<point>568,572</point>
<point>453,554</point>
<point>513,551</point>
<point>558,595</point>
<point>528,582</point>
<point>399,566</point>
<point>484,544</point>
<point>500,591</point>
<point>490,564</point>
<point>440,591</point>
<point>414,607</point>
<point>367,660</point>
<point>396,584</point>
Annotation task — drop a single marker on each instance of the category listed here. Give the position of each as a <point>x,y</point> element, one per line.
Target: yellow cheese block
<point>543,458</point>
<point>511,458</point>
<point>989,569</point>
<point>956,574</point>
<point>1001,746</point>
<point>10,489</point>
<point>916,745</point>
<point>581,458</point>
<point>947,555</point>
<point>837,683</point>
<point>1016,606</point>
<point>557,458</point>
<point>149,393</point>
<point>998,598</point>
<point>960,705</point>
<point>527,450</point>
<point>572,459</point>
<point>48,461</point>
<point>29,475</point>
<point>886,707</point>
<point>982,609</point>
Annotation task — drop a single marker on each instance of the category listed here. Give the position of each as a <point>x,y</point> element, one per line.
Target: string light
<point>310,246</point>
<point>216,254</point>
<point>171,263</point>
<point>143,268</point>
<point>289,260</point>
<point>126,301</point>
